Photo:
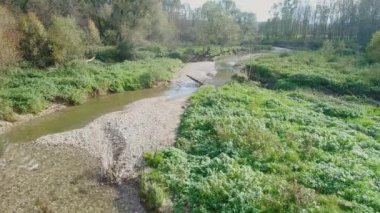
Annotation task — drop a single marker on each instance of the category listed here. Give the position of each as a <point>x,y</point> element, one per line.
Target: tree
<point>373,49</point>
<point>9,37</point>
<point>93,32</point>
<point>34,44</point>
<point>216,25</point>
<point>354,20</point>
<point>66,39</point>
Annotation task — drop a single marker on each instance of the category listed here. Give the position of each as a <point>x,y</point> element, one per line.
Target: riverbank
<point>27,94</point>
<point>22,118</point>
<point>25,91</point>
<point>117,141</point>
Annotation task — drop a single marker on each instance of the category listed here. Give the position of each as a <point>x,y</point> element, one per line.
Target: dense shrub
<point>111,37</point>
<point>373,49</point>
<point>245,149</point>
<point>107,54</point>
<point>34,44</point>
<point>126,51</point>
<point>9,38</point>
<point>67,39</point>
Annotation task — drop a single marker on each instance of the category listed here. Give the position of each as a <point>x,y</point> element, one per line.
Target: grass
<point>342,75</point>
<point>242,148</point>
<point>32,90</point>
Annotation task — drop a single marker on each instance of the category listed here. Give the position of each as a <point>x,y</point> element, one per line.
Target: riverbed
<point>38,176</point>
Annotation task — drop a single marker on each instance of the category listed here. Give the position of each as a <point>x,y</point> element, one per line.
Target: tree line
<point>349,20</point>
<point>47,32</point>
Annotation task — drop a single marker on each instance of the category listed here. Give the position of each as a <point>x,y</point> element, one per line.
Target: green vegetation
<point>67,40</point>
<point>309,23</point>
<point>326,70</point>
<point>246,149</point>
<point>34,45</point>
<point>373,49</point>
<point>126,50</point>
<point>31,90</point>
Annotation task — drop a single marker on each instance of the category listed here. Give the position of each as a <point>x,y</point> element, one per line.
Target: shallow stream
<point>34,178</point>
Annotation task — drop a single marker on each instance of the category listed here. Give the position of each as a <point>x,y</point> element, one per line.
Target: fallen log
<point>91,59</point>
<point>195,80</point>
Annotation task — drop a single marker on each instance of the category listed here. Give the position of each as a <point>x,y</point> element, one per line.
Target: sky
<point>259,7</point>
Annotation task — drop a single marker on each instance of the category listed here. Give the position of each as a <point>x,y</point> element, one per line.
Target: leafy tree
<point>66,38</point>
<point>154,27</point>
<point>9,37</point>
<point>34,43</point>
<point>93,32</point>
<point>373,49</point>
<point>216,25</point>
<point>345,20</point>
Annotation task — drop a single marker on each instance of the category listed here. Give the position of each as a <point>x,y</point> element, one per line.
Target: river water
<point>40,179</point>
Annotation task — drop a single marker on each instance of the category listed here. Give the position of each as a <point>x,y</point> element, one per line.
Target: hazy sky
<point>260,7</point>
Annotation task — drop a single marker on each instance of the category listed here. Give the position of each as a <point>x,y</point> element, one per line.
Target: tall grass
<point>246,149</point>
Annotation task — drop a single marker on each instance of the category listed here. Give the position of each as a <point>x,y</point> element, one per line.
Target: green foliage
<point>107,54</point>
<point>126,51</point>
<point>155,196</point>
<point>328,49</point>
<point>111,37</point>
<point>345,75</point>
<point>153,160</point>
<point>31,90</point>
<point>246,149</point>
<point>67,39</point>
<point>373,49</point>
<point>201,53</point>
<point>35,45</point>
<point>218,26</point>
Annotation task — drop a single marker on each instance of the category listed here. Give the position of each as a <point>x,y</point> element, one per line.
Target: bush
<point>9,38</point>
<point>175,55</point>
<point>373,49</point>
<point>34,44</point>
<point>111,37</point>
<point>66,39</point>
<point>126,51</point>
<point>6,111</point>
<point>328,49</point>
<point>107,54</point>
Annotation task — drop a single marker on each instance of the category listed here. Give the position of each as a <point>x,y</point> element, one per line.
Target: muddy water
<point>35,178</point>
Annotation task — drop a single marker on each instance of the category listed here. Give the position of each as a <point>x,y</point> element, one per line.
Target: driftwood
<point>91,59</point>
<point>195,80</point>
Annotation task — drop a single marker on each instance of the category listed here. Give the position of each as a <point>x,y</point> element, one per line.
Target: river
<point>37,179</point>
